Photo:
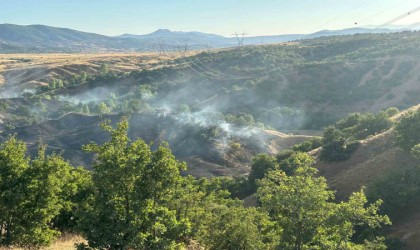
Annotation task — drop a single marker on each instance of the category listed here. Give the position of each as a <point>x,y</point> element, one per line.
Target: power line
<point>208,72</point>
<point>360,21</point>
<point>417,9</point>
<point>323,25</point>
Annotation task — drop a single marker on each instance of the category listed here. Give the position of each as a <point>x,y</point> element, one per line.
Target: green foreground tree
<point>132,190</point>
<point>31,194</point>
<point>304,207</point>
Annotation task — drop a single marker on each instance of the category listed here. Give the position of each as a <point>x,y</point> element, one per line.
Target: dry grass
<point>25,71</point>
<point>64,242</point>
<point>374,157</point>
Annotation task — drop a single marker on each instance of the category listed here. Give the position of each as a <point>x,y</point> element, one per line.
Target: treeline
<point>341,139</point>
<point>136,198</point>
<point>103,75</point>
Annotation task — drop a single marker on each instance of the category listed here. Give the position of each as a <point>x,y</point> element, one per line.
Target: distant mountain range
<point>41,38</point>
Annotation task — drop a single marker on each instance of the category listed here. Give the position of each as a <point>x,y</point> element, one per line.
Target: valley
<point>218,109</point>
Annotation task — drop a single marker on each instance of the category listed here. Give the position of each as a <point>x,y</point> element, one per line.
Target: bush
<point>341,139</point>
<point>294,161</point>
<point>260,165</point>
<point>308,145</point>
<point>397,189</point>
<point>335,146</point>
<point>407,131</point>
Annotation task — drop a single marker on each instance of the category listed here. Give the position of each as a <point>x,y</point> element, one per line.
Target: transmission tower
<point>162,50</point>
<point>183,49</point>
<point>240,38</point>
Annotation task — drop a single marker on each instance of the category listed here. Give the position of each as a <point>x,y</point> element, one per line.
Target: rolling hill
<point>42,38</point>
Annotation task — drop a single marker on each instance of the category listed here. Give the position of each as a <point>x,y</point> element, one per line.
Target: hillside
<point>378,158</point>
<point>229,93</point>
<point>205,156</point>
<point>20,73</point>
<point>41,39</point>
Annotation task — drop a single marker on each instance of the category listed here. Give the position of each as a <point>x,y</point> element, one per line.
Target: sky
<point>223,17</point>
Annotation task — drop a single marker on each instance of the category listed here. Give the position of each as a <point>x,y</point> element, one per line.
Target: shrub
<point>407,131</point>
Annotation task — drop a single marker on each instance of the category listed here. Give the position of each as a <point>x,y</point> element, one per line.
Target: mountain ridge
<point>42,38</point>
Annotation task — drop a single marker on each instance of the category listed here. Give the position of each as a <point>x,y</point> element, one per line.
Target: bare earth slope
<point>375,157</point>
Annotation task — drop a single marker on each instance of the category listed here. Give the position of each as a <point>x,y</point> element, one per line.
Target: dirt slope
<point>376,156</point>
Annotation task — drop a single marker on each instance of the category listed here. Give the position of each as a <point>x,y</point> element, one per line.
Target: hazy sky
<point>255,17</point>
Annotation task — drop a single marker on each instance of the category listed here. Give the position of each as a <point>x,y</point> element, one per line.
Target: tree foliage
<point>304,208</point>
<point>132,188</point>
<point>32,194</point>
<point>407,131</point>
<point>261,164</point>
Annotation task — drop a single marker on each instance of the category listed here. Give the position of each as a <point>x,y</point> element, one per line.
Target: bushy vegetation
<point>308,145</point>
<point>341,139</point>
<point>303,207</point>
<point>398,189</point>
<point>401,187</point>
<point>33,193</point>
<point>407,131</point>
<point>137,198</point>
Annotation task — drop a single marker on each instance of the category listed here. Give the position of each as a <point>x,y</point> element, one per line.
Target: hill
<point>42,38</point>
<point>206,156</point>
<point>376,159</point>
<point>219,94</point>
<point>21,73</point>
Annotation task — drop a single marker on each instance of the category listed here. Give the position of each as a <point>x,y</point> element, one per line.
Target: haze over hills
<point>265,87</point>
<point>41,38</point>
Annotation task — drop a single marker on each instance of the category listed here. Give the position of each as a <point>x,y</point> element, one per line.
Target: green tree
<point>236,227</point>
<point>77,189</point>
<point>83,77</point>
<point>398,189</point>
<point>308,145</point>
<point>103,70</point>
<point>132,190</point>
<point>407,131</point>
<point>3,106</point>
<point>31,194</point>
<point>102,108</point>
<point>85,109</point>
<point>335,145</point>
<point>303,207</point>
<point>295,161</point>
<point>60,84</point>
<point>219,222</point>
<point>415,151</point>
<point>261,164</point>
<point>53,84</point>
<point>13,166</point>
<point>390,112</point>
